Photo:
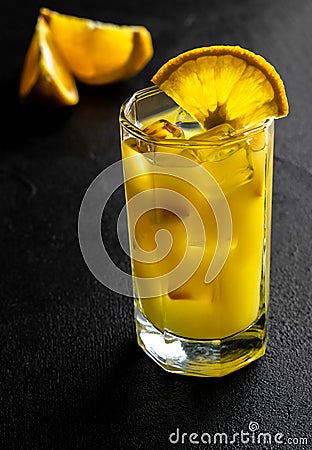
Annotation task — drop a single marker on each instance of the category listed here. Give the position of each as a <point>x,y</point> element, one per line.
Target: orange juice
<point>197,153</point>
<point>241,165</point>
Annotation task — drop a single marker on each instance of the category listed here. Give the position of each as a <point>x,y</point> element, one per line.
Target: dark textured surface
<point>71,373</point>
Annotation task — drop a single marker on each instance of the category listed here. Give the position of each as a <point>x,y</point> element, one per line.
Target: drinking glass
<point>199,221</point>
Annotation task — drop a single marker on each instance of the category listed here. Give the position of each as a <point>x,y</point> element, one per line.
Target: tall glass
<point>199,212</point>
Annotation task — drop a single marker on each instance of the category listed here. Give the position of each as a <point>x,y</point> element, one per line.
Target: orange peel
<point>99,53</point>
<point>224,84</point>
<point>45,77</point>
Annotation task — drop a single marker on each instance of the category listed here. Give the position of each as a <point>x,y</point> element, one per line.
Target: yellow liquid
<point>231,301</point>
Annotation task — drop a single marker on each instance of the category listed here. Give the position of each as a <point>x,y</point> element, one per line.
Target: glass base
<point>202,358</point>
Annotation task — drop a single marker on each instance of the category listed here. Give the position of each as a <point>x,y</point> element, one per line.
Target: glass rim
<point>139,134</point>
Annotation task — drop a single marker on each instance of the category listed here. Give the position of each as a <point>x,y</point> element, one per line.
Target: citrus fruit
<point>45,76</point>
<point>224,84</point>
<point>97,52</point>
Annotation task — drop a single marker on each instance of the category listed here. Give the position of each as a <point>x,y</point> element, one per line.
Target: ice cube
<point>231,167</point>
<point>215,150</point>
<point>163,129</point>
<point>132,143</point>
<point>160,129</point>
<point>217,133</point>
<point>257,142</point>
<point>215,153</point>
<point>137,145</point>
<point>186,121</point>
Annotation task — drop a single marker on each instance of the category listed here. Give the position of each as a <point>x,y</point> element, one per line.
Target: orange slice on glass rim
<point>97,52</point>
<point>224,84</point>
<point>45,76</point>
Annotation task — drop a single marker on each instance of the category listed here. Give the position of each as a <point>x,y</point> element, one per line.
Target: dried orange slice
<point>99,53</point>
<point>224,84</point>
<point>45,76</point>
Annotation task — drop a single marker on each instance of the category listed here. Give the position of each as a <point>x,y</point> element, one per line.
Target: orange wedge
<point>45,76</point>
<point>99,53</point>
<point>224,84</point>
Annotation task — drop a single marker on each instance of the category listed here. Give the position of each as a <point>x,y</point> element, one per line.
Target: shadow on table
<point>24,122</point>
<point>141,403</point>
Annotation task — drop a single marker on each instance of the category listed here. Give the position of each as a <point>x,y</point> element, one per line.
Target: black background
<point>72,375</point>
